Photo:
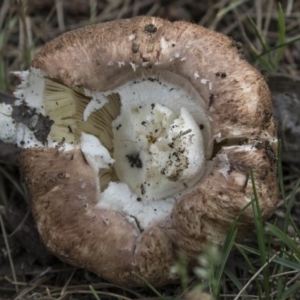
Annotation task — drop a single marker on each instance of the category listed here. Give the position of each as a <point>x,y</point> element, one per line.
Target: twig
<point>8,252</point>
<point>21,223</point>
<point>254,276</point>
<point>63,291</point>
<point>60,15</point>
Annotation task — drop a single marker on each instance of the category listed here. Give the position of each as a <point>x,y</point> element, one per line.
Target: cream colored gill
<point>66,106</point>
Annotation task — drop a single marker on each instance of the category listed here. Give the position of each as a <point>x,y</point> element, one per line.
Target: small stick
<point>181,133</point>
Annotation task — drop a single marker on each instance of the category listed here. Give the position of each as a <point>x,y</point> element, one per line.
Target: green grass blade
<point>277,47</point>
<point>280,268</point>
<point>258,34</point>
<point>280,170</point>
<point>225,253</point>
<point>235,280</point>
<point>258,222</point>
<point>9,25</point>
<point>267,64</point>
<point>226,249</point>
<point>284,238</point>
<point>264,63</point>
<point>3,84</point>
<point>289,205</point>
<point>291,291</point>
<point>248,261</point>
<point>231,6</point>
<point>281,29</point>
<point>94,293</point>
<point>4,33</point>
<point>279,260</point>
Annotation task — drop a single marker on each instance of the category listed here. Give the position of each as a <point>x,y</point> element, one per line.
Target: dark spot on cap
<point>264,73</point>
<point>211,100</point>
<point>221,74</point>
<point>135,47</point>
<point>239,48</point>
<point>62,175</point>
<point>59,46</point>
<point>150,28</point>
<point>142,189</point>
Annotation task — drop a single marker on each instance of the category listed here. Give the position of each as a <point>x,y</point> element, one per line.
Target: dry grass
<point>24,27</point>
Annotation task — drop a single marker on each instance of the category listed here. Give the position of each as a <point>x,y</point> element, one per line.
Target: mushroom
<point>137,138</point>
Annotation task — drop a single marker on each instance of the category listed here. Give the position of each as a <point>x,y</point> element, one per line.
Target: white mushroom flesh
<point>158,153</point>
<point>8,129</point>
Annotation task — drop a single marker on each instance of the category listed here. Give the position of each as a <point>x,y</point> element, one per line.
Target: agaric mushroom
<point>137,137</point>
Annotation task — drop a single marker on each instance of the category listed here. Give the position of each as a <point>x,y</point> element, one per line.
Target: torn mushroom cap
<point>171,118</point>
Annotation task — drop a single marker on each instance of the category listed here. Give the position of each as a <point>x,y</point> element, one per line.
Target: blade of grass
<point>281,29</point>
<point>12,267</point>
<point>289,206</point>
<point>284,238</point>
<point>250,265</point>
<point>13,181</point>
<point>280,170</point>
<point>93,11</point>
<point>3,194</point>
<point>4,33</point>
<point>258,222</point>
<point>154,290</point>
<point>285,262</point>
<point>230,7</point>
<point>264,266</point>
<point>291,291</point>
<point>3,84</point>
<point>264,63</point>
<point>226,249</point>
<point>280,268</point>
<point>235,280</point>
<point>94,292</point>
<point>63,291</point>
<point>263,42</point>
<point>277,47</point>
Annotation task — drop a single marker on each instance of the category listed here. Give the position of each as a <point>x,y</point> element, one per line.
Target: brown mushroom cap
<point>90,57</point>
<point>102,57</point>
